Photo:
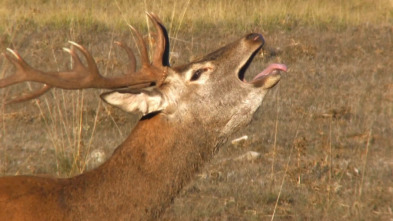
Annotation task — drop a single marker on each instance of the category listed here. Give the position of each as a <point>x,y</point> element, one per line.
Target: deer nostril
<point>255,37</point>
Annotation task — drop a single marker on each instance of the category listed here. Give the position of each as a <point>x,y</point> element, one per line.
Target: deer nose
<point>255,37</point>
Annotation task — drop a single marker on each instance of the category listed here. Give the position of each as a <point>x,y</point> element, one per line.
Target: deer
<point>187,113</point>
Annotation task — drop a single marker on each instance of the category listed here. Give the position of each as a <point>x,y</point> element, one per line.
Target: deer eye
<point>197,74</point>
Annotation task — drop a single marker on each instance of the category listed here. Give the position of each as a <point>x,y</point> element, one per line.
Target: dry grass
<point>197,14</point>
<point>324,133</point>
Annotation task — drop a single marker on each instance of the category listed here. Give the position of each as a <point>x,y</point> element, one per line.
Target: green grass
<point>236,15</point>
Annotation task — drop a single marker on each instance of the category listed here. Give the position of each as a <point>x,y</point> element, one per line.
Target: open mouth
<point>270,70</point>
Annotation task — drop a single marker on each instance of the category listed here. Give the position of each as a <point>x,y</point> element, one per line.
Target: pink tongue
<point>270,69</point>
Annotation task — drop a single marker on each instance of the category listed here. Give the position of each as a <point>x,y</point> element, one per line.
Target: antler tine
<point>31,95</point>
<point>161,52</point>
<point>19,63</point>
<point>77,61</point>
<point>91,64</point>
<point>20,76</point>
<point>142,47</point>
<point>130,54</point>
<point>87,75</point>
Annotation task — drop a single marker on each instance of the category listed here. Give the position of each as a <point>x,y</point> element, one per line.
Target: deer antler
<point>81,76</point>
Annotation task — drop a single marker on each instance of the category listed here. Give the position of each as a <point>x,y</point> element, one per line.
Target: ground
<point>324,132</point>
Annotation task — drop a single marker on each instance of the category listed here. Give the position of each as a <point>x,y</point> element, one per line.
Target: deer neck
<point>149,168</point>
<point>160,148</point>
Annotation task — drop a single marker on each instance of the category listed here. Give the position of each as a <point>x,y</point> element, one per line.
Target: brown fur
<point>138,182</point>
<point>193,119</point>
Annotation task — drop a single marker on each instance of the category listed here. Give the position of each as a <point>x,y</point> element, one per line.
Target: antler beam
<point>88,76</point>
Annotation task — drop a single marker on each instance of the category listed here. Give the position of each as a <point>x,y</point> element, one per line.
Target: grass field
<point>325,133</point>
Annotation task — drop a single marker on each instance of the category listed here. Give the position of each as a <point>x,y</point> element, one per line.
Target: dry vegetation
<point>324,134</point>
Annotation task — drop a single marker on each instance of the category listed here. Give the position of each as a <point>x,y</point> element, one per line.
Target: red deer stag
<point>189,112</point>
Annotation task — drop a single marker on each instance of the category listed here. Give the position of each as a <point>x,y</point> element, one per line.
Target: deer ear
<point>144,101</point>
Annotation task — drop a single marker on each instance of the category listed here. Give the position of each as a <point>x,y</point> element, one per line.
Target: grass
<point>324,133</point>
<point>197,14</point>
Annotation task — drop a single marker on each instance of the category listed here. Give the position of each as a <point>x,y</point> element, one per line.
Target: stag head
<point>211,90</point>
<point>188,112</point>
